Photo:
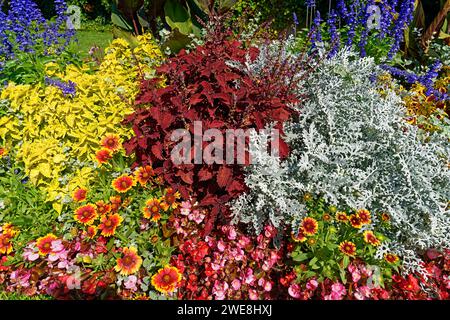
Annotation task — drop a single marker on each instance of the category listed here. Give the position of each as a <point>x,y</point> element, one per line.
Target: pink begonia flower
<point>268,286</point>
<point>230,232</point>
<point>185,208</point>
<point>221,246</point>
<point>356,275</point>
<point>196,216</point>
<point>338,291</point>
<point>130,283</point>
<point>21,279</point>
<point>261,282</point>
<point>73,282</point>
<point>312,284</point>
<point>249,278</point>
<point>362,293</point>
<point>58,251</point>
<point>64,264</point>
<point>270,231</point>
<point>367,272</point>
<point>31,253</point>
<point>244,241</point>
<point>236,284</point>
<point>447,281</point>
<point>220,290</point>
<point>253,294</point>
<point>295,291</point>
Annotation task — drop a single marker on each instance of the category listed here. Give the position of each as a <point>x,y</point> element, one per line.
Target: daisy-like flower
<point>364,216</point>
<point>348,248</point>
<point>5,243</point>
<point>129,263</point>
<point>116,202</point>
<point>326,217</point>
<point>371,238</point>
<point>91,232</point>
<point>391,258</point>
<point>102,207</point>
<point>9,229</point>
<point>79,195</point>
<point>109,224</point>
<point>300,237</point>
<point>152,210</point>
<point>167,279</point>
<point>123,183</point>
<point>86,214</point>
<point>355,221</point>
<point>111,142</point>
<point>309,226</point>
<point>44,244</point>
<point>144,174</point>
<point>103,156</point>
<point>169,199</point>
<point>385,217</point>
<point>341,216</point>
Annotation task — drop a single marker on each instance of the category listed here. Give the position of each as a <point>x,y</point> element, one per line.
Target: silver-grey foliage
<point>352,146</point>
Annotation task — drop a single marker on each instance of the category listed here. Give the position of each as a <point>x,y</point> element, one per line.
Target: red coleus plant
<point>202,85</point>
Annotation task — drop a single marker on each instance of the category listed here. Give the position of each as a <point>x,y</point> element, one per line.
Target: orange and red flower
<point>91,232</point>
<point>102,207</point>
<point>300,237</point>
<point>385,217</point>
<point>355,221</point>
<point>109,224</point>
<point>8,228</point>
<point>129,263</point>
<point>44,244</point>
<point>341,216</point>
<point>364,216</point>
<point>3,152</point>
<point>103,156</point>
<point>116,202</point>
<point>391,258</point>
<point>152,210</point>
<point>144,174</point>
<point>86,214</point>
<point>79,195</point>
<point>5,243</point>
<point>309,226</point>
<point>348,248</point>
<point>371,238</point>
<point>167,279</point>
<point>169,199</point>
<point>123,183</point>
<point>111,142</point>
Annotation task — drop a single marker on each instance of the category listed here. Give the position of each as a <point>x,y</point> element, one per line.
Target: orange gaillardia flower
<point>355,221</point>
<point>86,214</point>
<point>109,224</point>
<point>123,183</point>
<point>152,210</point>
<point>341,216</point>
<point>371,238</point>
<point>9,229</point>
<point>102,207</point>
<point>391,258</point>
<point>167,279</point>
<point>79,195</point>
<point>385,217</point>
<point>309,226</point>
<point>348,248</point>
<point>144,174</point>
<point>103,156</point>
<point>300,237</point>
<point>44,244</point>
<point>111,142</point>
<point>5,243</point>
<point>129,263</point>
<point>91,232</point>
<point>364,216</point>
<point>171,197</point>
<point>116,201</point>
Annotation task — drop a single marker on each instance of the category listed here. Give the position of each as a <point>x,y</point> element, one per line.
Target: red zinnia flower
<point>152,210</point>
<point>364,216</point>
<point>86,214</point>
<point>309,226</point>
<point>371,238</point>
<point>79,194</point>
<point>103,156</point>
<point>144,174</point>
<point>102,207</point>
<point>111,142</point>
<point>109,224</point>
<point>44,244</point>
<point>123,183</point>
<point>355,221</point>
<point>129,263</point>
<point>348,248</point>
<point>167,279</point>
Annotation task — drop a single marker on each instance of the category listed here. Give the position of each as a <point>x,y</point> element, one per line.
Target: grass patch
<point>16,296</point>
<point>88,39</point>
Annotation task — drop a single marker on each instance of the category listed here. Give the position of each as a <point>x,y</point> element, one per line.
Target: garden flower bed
<point>202,161</point>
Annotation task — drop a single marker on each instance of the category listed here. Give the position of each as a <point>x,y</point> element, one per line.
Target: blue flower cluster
<point>24,29</point>
<point>67,88</point>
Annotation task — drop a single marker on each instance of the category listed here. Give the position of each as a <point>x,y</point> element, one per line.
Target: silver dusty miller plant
<point>351,146</point>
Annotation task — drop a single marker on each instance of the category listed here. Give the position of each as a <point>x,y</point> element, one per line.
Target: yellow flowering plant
<point>56,133</point>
